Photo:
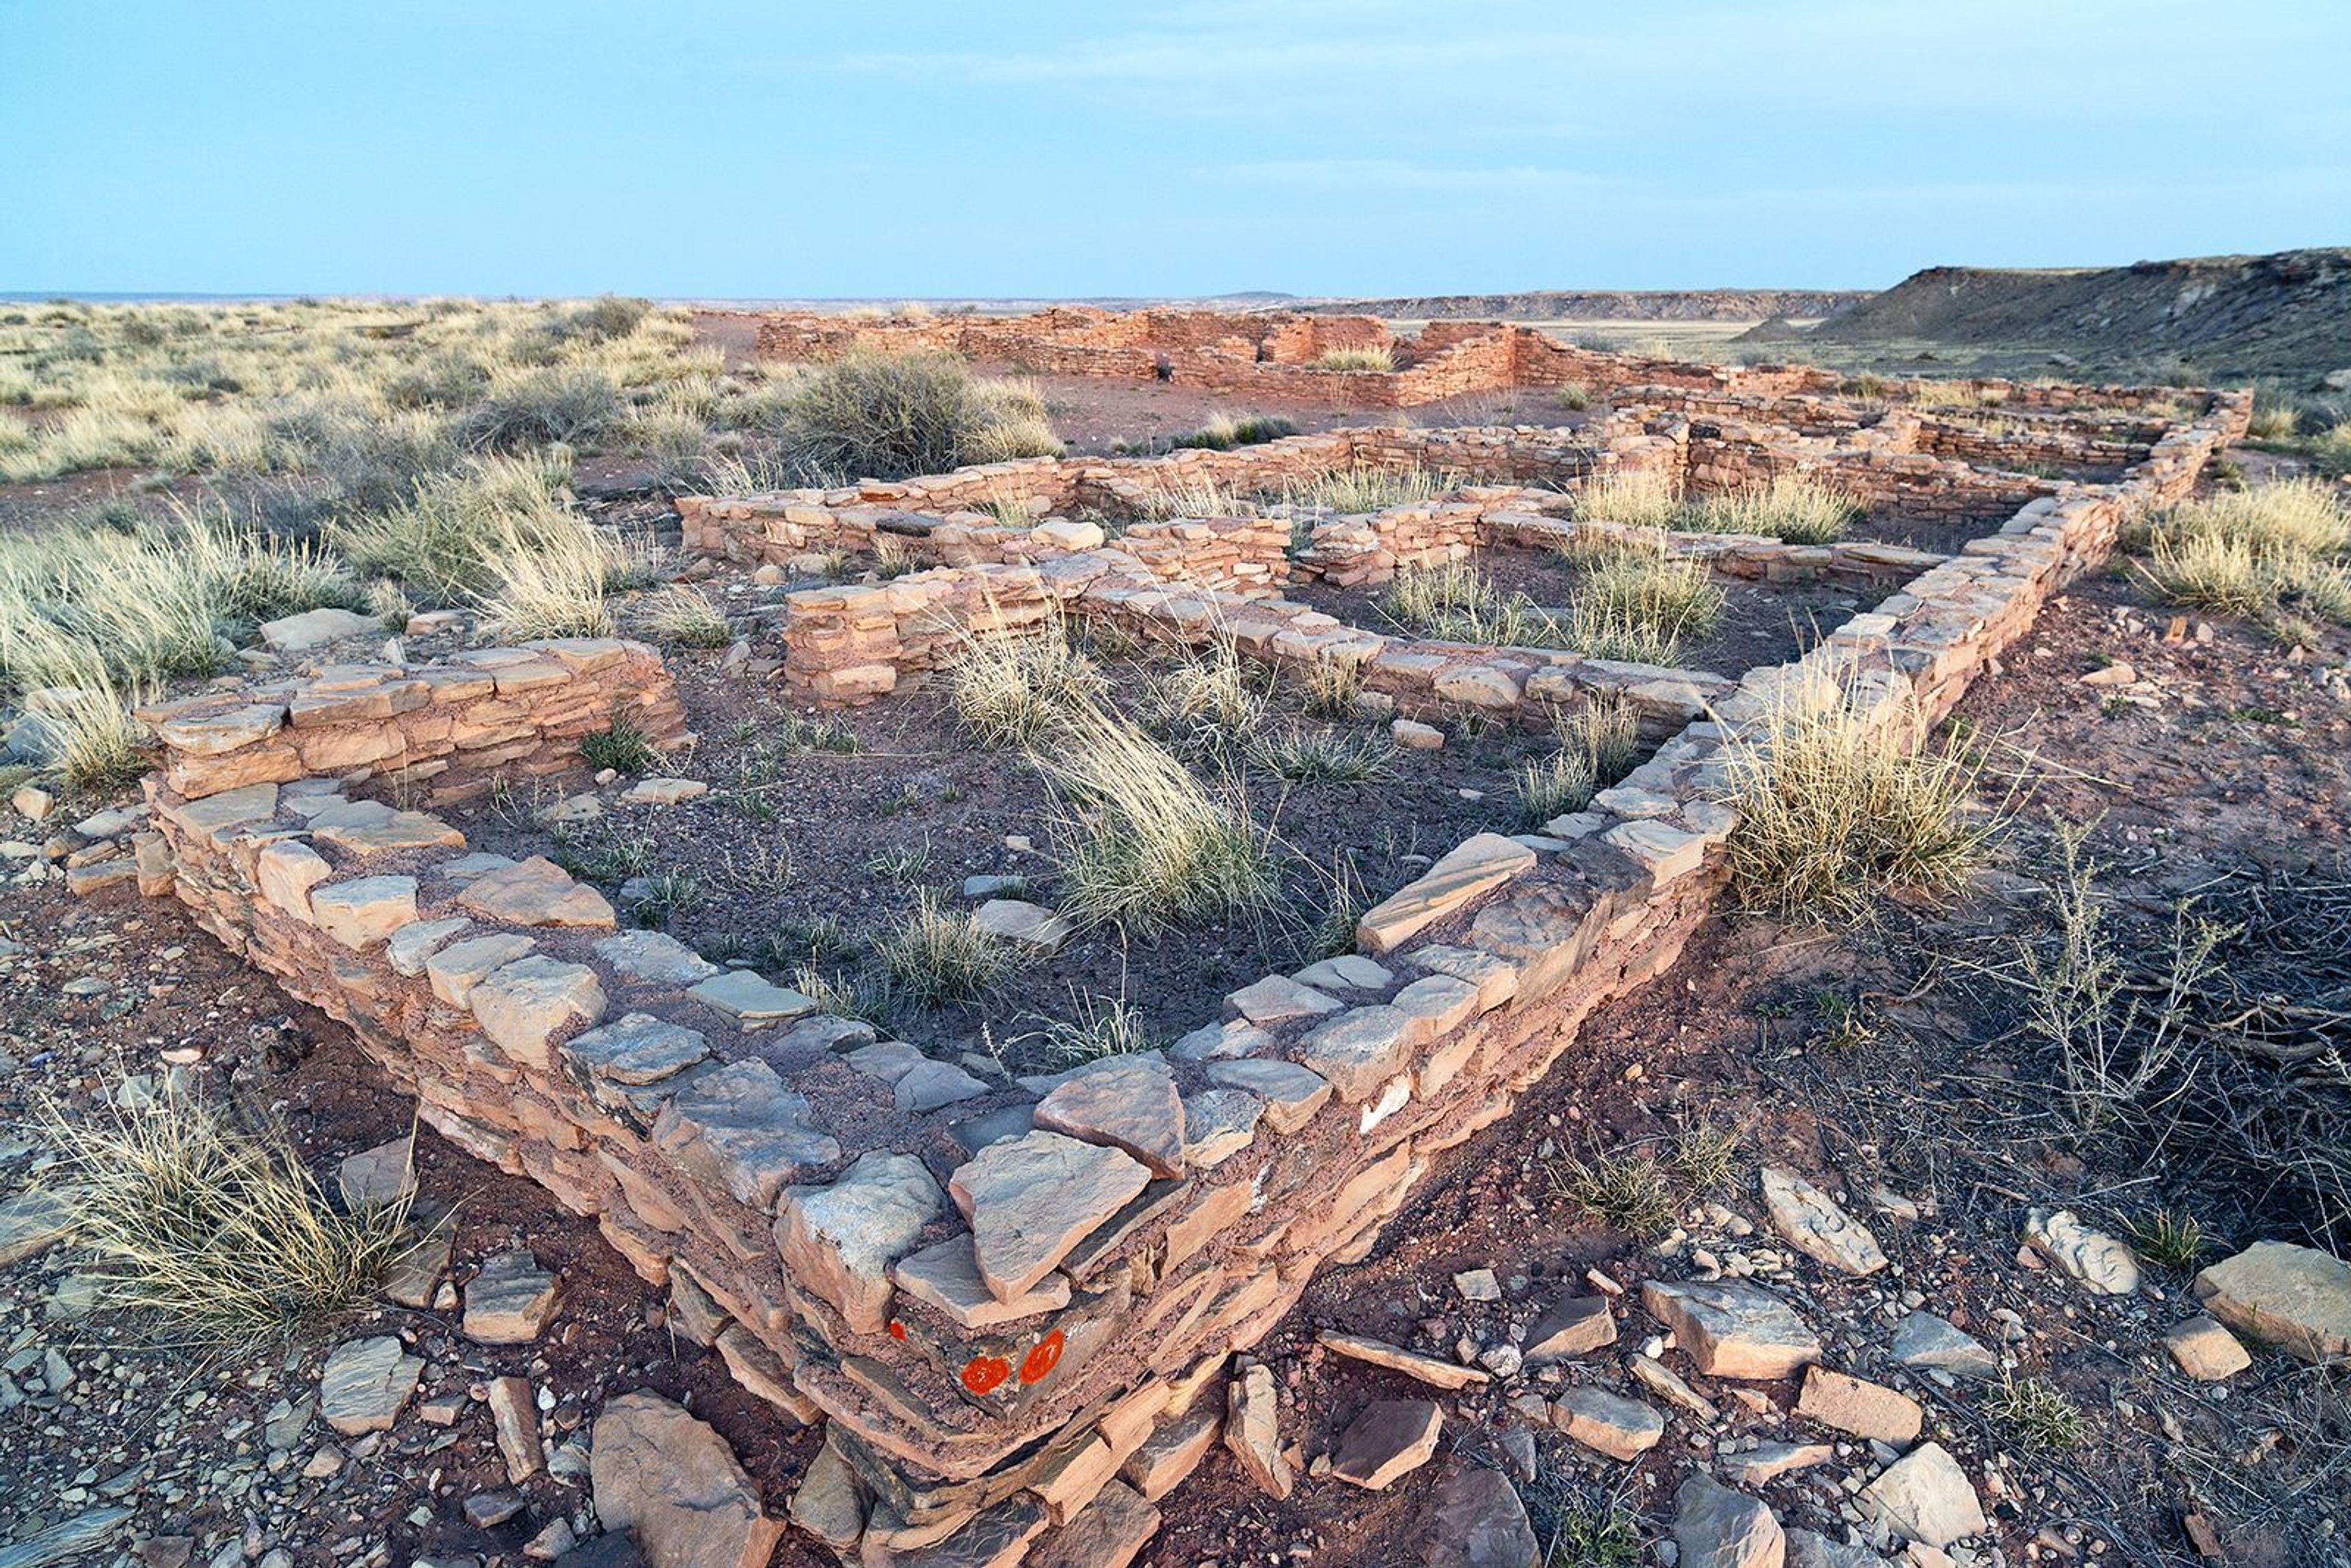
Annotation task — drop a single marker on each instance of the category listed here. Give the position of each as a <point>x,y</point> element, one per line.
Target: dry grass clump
<point>877,415</point>
<point>1096,1027</point>
<point>1322,757</point>
<point>1366,358</point>
<point>2271,554</point>
<point>1143,844</point>
<point>1207,700</point>
<point>1223,432</point>
<point>680,616</point>
<point>1367,489</point>
<point>1625,1189</point>
<point>214,1228</point>
<point>2034,1414</point>
<point>1793,507</point>
<point>1840,801</point>
<point>1641,603</point>
<point>1008,689</point>
<point>1333,687</point>
<point>1598,744</point>
<point>1197,499</point>
<point>1458,604</point>
<point>443,542</point>
<point>941,955</point>
<point>1952,394</point>
<point>555,583</point>
<point>1639,498</point>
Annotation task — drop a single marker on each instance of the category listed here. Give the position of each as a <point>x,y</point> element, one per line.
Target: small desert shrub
<point>1366,489</point>
<point>1606,728</point>
<point>1627,1190</point>
<point>2330,450</point>
<point>1791,508</point>
<point>440,542</point>
<point>820,939</point>
<point>1573,396</point>
<point>2035,1414</point>
<point>2253,553</point>
<point>1345,899</point>
<point>941,955</point>
<point>1324,756</point>
<point>665,896</point>
<point>1458,604</point>
<point>1840,801</point>
<point>886,416</point>
<point>1639,498</point>
<point>1360,359</point>
<point>1706,1156</point>
<point>1143,844</point>
<point>1223,432</point>
<point>1641,603</point>
<point>2273,422</point>
<point>2172,1239</point>
<point>554,583</point>
<point>213,1227</point>
<point>900,866</point>
<point>1008,689</point>
<point>870,998</point>
<point>622,748</point>
<point>681,617</point>
<point>1553,786</point>
<point>1951,394</point>
<point>1595,1534</point>
<point>526,406</point>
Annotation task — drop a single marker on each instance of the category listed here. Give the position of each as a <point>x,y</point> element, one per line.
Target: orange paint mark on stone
<point>897,1329</point>
<point>1042,1357</point>
<point>983,1373</point>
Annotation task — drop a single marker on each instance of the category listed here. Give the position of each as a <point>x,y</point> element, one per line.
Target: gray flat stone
<point>1811,1222</point>
<point>1571,1326</point>
<point>739,1127</point>
<point>1127,1102</point>
<point>1389,1440</point>
<point>1278,998</point>
<point>510,1301</point>
<point>636,1049</point>
<point>1217,1124</point>
<point>1607,1423</point>
<point>1929,1343</point>
<point>945,1277</point>
<point>2296,1298</point>
<point>454,971</point>
<point>377,1177</point>
<point>1480,1523</point>
<point>750,1001</point>
<point>365,911</point>
<point>1360,1050</point>
<point>524,1006</point>
<point>31,1223</point>
<point>1718,1528</point>
<point>536,892</point>
<point>1927,1496</point>
<point>673,1483</point>
<point>1733,1329</point>
<point>655,959</point>
<point>410,947</point>
<point>365,1384</point>
<point>839,1240</point>
<point>1291,1094</point>
<point>929,1085</point>
<point>1030,925</point>
<point>1032,1200</point>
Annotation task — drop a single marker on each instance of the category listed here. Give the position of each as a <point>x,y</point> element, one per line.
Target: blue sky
<point>703,148</point>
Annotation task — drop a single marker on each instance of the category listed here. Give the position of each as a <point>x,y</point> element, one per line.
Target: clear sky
<point>710,148</point>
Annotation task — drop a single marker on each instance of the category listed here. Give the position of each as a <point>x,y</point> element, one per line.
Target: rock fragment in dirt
<point>1571,1326</point>
<point>1811,1222</point>
<point>1252,1431</point>
<point>536,892</point>
<point>31,1223</point>
<point>510,1301</point>
<point>1715,1527</point>
<point>2296,1298</point>
<point>1769,1461</point>
<point>1032,926</point>
<point>1927,1343</point>
<point>1127,1102</point>
<point>365,1382</point>
<point>1032,1200</point>
<point>1391,1438</point>
<point>2099,1262</point>
<point>2203,1348</point>
<point>930,1086</point>
<point>377,1177</point>
<point>662,791</point>
<point>311,629</point>
<point>656,958</point>
<point>658,1472</point>
<point>1479,1524</point>
<point>1414,736</point>
<point>1608,1423</point>
<point>1731,1328</point>
<point>66,1538</point>
<point>488,1509</point>
<point>840,1240</point>
<point>1173,1450</point>
<point>1866,1409</point>
<point>1927,1496</point>
<point>1664,1382</point>
<point>411,1278</point>
<point>752,1002</point>
<point>514,1416</point>
<point>1478,1285</point>
<point>1110,1533</point>
<point>1807,1549</point>
<point>1434,1371</point>
<point>830,1503</point>
<point>1291,1094</point>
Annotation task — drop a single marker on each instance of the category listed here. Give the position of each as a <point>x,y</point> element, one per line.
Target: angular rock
<point>1127,1102</point>
<point>365,911</point>
<point>514,1420</point>
<point>1116,1526</point>
<point>1769,1461</point>
<point>658,1472</point>
<point>1347,972</point>
<point>1390,1439</point>
<point>2296,1298</point>
<point>1276,998</point>
<point>840,1240</point>
<point>374,1177</point>
<point>1358,1051</point>
<point>945,1277</point>
<point>31,1223</point>
<point>1476,866</point>
<point>411,947</point>
<point>931,1085</point>
<point>365,1384</point>
<point>510,1301</point>
<point>1718,1528</point>
<point>1863,1409</point>
<point>750,1001</point>
<point>536,892</point>
<point>738,1126</point>
<point>1571,1326</point>
<point>1217,1124</point>
<point>1029,925</point>
<point>1032,1200</point>
<point>830,1502</point>
<point>1291,1094</point>
<point>656,958</point>
<point>1252,1431</point>
<point>1811,1222</point>
<point>1733,1329</point>
<point>315,628</point>
<point>1480,1523</point>
<point>285,871</point>
<point>1927,1496</point>
<point>524,1006</point>
<point>997,1538</point>
<point>2099,1262</point>
<point>456,969</point>
<point>1174,1450</point>
<point>1429,1369</point>
<point>1608,1423</point>
<point>1929,1343</point>
<point>2203,1349</point>
<point>1661,1380</point>
<point>662,791</point>
<point>1808,1550</point>
<point>636,1049</point>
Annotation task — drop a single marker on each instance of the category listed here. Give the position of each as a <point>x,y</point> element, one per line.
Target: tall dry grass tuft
<point>1794,507</point>
<point>1642,498</point>
<point>1008,688</point>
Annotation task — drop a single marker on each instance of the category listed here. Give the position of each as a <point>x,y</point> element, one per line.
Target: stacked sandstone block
<point>451,725</point>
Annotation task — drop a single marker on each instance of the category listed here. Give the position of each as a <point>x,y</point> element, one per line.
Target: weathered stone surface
<point>374,1177</point>
<point>456,969</point>
<point>2099,1262</point>
<point>2203,1348</point>
<point>1866,1409</point>
<point>840,1240</point>
<point>999,1538</point>
<point>1390,1439</point>
<point>662,791</point>
<point>636,1049</point>
<point>524,1006</point>
<point>1113,1530</point>
<point>1608,1423</point>
<point>1030,925</point>
<point>762,1372</point>
<point>658,1472</point>
<point>1278,998</point>
<point>412,1278</point>
<point>1925,1341</point>
<point>1032,1200</point>
<point>31,1222</point>
<point>656,958</point>
<point>1428,1369</point>
<point>2296,1298</point>
<point>1291,1094</point>
<point>1477,865</point>
<point>1571,1326</point>
<point>739,1127</point>
<point>373,827</point>
<point>314,628</point>
<point>830,1502</point>
<point>1479,1524</point>
<point>1360,1050</point>
<point>510,1301</point>
<point>287,871</point>
<point>1808,1550</point>
<point>1769,1461</point>
<point>1217,1124</point>
<point>1174,1450</point>
<point>1733,1329</point>
<point>929,1085</point>
<point>1347,972</point>
<point>536,892</point>
<point>945,1277</point>
<point>1252,1429</point>
<point>410,947</point>
<point>1127,1102</point>
<point>1927,1496</point>
<point>1814,1225</point>
<point>365,1384</point>
<point>362,912</point>
<point>750,1001</point>
<point>514,1420</point>
<point>1718,1528</point>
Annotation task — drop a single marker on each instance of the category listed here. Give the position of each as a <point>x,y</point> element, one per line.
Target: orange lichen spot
<point>1042,1357</point>
<point>984,1373</point>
